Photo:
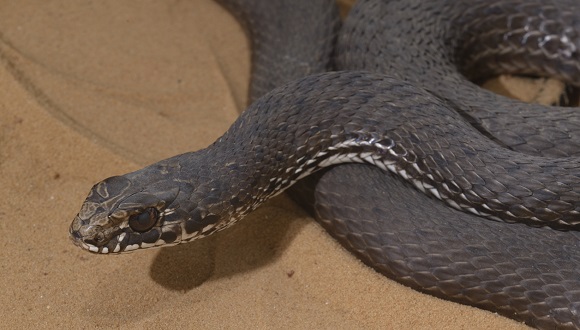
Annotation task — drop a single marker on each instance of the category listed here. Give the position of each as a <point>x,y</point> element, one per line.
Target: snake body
<point>400,103</point>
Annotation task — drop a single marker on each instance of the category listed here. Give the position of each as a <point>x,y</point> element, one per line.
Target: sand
<point>94,89</point>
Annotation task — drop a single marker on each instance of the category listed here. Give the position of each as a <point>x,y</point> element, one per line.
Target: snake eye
<point>142,222</point>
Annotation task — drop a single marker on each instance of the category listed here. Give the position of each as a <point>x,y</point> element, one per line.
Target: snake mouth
<point>77,239</point>
<point>86,246</point>
<point>116,245</point>
<point>123,240</point>
<point>94,238</point>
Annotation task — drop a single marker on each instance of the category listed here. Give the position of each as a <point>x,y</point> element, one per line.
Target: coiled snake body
<point>400,102</point>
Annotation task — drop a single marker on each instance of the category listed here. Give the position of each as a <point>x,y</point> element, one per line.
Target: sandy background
<point>93,89</point>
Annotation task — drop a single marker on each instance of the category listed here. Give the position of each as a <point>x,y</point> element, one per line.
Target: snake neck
<point>294,131</point>
<point>249,175</point>
<point>280,139</point>
<point>326,119</point>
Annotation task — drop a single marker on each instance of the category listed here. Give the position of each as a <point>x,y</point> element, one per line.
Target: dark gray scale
<point>419,121</point>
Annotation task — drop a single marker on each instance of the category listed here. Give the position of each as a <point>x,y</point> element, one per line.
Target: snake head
<point>124,213</point>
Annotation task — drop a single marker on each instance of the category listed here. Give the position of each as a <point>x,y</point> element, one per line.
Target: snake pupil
<point>142,222</point>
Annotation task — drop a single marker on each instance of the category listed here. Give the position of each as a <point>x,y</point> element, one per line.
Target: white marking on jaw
<point>93,248</point>
<point>117,248</point>
<point>131,247</point>
<point>147,245</point>
<point>159,242</point>
<point>105,250</point>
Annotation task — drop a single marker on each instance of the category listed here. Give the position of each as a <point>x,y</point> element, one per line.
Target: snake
<point>376,124</point>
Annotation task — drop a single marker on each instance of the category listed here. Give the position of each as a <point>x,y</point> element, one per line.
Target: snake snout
<point>74,235</point>
<point>74,230</point>
<point>86,236</point>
